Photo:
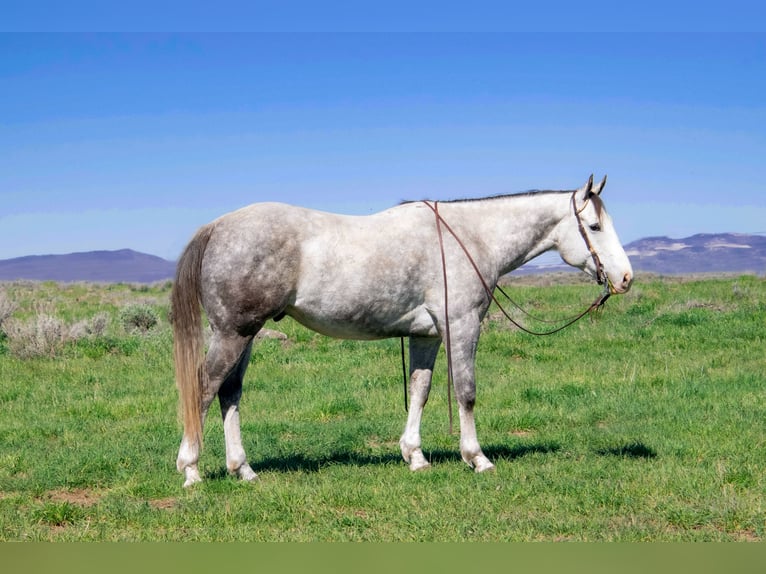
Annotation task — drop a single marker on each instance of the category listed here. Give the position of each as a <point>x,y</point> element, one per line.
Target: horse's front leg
<point>423,353</point>
<point>465,337</point>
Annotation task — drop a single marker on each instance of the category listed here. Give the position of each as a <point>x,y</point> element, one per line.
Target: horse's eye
<point>595,227</point>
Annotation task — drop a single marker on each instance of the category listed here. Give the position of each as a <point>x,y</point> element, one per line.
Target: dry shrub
<point>45,335</point>
<point>42,335</point>
<point>93,327</point>
<point>7,308</point>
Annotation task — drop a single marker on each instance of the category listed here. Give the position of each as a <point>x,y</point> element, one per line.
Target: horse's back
<point>266,257</point>
<point>339,274</point>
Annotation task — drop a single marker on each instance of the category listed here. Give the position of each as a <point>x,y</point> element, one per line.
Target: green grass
<point>645,423</point>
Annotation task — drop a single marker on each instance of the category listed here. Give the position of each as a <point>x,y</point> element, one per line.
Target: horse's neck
<point>515,229</point>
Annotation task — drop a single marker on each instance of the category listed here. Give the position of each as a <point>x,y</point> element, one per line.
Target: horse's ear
<point>586,189</point>
<point>600,187</point>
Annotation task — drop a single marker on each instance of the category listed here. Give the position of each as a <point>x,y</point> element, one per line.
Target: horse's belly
<point>364,323</point>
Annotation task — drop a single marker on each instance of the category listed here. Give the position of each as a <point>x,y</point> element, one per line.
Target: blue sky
<point>116,140</point>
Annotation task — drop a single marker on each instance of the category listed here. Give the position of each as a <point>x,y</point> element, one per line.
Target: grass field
<point>645,423</point>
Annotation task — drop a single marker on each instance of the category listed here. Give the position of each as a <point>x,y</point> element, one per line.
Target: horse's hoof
<point>483,465</point>
<point>192,477</point>
<point>418,465</point>
<point>415,459</point>
<point>246,473</point>
<point>479,462</point>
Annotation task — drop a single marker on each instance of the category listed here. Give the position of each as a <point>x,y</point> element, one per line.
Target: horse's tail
<point>188,340</point>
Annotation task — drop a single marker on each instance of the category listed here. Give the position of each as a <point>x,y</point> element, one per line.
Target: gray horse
<point>368,277</point>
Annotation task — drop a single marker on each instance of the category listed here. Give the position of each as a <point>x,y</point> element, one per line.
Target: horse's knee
<point>466,395</point>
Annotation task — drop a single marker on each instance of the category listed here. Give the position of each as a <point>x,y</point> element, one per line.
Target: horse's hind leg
<point>225,363</point>
<point>229,396</point>
<point>423,353</point>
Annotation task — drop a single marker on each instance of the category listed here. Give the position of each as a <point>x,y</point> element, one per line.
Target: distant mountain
<point>702,253</point>
<point>125,265</point>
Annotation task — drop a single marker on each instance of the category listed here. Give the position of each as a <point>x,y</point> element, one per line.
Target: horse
<point>366,278</point>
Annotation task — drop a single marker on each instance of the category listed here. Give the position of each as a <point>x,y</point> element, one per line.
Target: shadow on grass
<point>303,463</point>
<point>629,450</point>
<point>497,452</point>
<point>299,462</point>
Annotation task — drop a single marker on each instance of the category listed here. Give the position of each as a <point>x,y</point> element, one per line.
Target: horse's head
<point>586,239</point>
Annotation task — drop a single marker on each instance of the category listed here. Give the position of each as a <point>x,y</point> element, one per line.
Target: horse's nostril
<point>627,280</point>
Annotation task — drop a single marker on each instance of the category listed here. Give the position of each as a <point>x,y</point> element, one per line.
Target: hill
<point>702,253</point>
<point>720,252</point>
<point>125,265</point>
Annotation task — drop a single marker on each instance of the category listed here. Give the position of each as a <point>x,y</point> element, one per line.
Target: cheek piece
<point>601,276</point>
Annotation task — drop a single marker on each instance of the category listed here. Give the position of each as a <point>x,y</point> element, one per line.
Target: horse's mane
<point>531,192</point>
<point>597,202</point>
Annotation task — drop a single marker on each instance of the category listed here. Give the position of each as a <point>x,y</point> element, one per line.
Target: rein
<point>601,278</point>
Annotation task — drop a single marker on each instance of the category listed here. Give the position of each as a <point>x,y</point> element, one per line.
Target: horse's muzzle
<point>622,287</point>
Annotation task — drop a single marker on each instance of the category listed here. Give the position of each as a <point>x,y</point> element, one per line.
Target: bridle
<point>601,278</point>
